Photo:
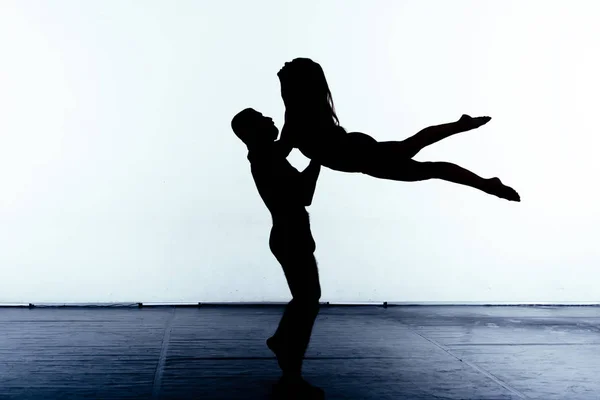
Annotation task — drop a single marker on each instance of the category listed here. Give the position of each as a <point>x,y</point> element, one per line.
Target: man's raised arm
<point>285,144</point>
<point>308,179</point>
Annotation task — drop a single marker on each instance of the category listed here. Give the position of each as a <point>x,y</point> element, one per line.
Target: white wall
<point>120,179</point>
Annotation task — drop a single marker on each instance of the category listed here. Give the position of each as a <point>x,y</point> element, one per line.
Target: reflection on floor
<point>426,352</point>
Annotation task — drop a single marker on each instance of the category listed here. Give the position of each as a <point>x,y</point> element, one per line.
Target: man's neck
<point>259,148</point>
<point>261,151</point>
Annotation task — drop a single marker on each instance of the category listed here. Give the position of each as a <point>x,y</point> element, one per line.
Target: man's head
<point>253,128</point>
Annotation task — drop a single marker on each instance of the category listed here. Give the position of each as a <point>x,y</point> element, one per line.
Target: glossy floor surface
<point>423,352</point>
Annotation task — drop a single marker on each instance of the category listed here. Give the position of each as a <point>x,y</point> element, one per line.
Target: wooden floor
<point>427,352</point>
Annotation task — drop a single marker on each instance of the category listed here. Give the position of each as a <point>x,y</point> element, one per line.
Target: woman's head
<point>304,89</point>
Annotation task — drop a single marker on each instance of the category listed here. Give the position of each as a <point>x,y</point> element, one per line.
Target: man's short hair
<point>239,122</point>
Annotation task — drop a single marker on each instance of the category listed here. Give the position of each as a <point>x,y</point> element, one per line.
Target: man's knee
<point>309,298</point>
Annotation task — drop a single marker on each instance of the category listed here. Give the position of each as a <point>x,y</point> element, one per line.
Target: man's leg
<point>293,333</point>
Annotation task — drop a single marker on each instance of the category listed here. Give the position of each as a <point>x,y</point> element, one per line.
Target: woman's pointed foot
<point>469,122</point>
<point>497,188</point>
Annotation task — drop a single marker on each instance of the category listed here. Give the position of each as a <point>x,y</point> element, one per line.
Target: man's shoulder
<point>263,156</point>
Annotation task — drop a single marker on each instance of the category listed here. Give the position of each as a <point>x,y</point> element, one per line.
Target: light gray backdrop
<point>120,179</point>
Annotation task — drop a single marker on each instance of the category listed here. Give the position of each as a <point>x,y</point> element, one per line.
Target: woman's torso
<point>330,144</point>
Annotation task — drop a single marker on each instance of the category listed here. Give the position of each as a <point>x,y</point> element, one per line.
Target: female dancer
<point>312,126</point>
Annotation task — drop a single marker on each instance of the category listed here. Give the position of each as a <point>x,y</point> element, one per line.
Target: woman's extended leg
<point>411,146</point>
<point>409,170</point>
<point>359,152</point>
<point>347,153</point>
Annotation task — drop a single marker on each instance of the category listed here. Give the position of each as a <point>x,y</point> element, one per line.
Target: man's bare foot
<point>279,350</point>
<point>497,188</point>
<point>469,123</point>
<point>296,388</point>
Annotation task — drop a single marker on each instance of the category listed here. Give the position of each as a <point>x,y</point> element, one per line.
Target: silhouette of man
<point>286,192</point>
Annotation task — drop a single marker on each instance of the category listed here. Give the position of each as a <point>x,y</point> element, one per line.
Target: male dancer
<point>286,192</point>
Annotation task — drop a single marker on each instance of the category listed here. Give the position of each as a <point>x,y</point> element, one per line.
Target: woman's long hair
<point>305,90</point>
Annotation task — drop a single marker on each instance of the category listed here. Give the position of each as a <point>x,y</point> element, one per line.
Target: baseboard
<point>384,304</point>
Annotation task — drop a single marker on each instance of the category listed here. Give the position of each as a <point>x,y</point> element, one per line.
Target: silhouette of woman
<point>312,126</point>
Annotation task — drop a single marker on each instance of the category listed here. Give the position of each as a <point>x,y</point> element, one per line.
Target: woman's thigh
<point>349,152</point>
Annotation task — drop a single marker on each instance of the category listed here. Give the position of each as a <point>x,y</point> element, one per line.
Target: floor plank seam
<point>449,346</point>
<point>160,365</point>
<point>589,325</point>
<point>173,360</point>
<point>475,367</point>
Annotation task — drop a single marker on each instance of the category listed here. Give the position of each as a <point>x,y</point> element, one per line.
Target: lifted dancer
<point>312,126</point>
